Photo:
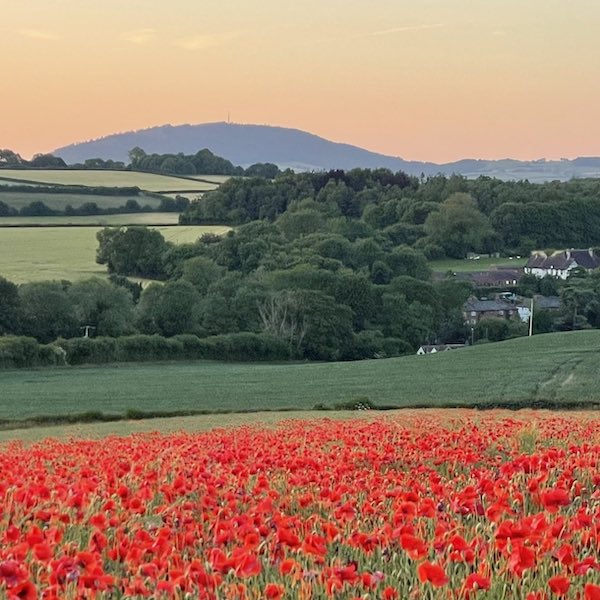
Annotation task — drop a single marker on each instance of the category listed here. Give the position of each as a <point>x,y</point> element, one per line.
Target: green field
<point>151,218</point>
<point>482,264</point>
<point>45,253</point>
<point>107,178</point>
<point>560,367</point>
<point>59,201</point>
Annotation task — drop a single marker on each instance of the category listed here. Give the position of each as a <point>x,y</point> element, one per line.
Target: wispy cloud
<point>38,34</point>
<point>139,36</point>
<point>404,29</point>
<point>199,42</point>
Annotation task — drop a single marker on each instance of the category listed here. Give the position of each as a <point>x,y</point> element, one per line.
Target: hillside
<point>248,144</point>
<point>559,368</point>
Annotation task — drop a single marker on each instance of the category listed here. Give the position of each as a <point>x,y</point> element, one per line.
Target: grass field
<point>107,178</point>
<point>561,367</point>
<point>482,264</point>
<point>44,253</point>
<point>151,218</point>
<point>59,201</point>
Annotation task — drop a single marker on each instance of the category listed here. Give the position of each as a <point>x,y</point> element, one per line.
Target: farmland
<point>59,202</point>
<point>553,368</point>
<point>45,253</point>
<point>423,504</point>
<point>116,220</point>
<point>105,178</point>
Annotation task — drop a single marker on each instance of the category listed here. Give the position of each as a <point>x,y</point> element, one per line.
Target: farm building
<point>561,263</point>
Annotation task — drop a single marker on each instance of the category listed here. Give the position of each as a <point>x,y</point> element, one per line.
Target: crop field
<point>59,201</point>
<point>552,368</point>
<point>116,220</point>
<point>421,505</point>
<point>482,264</point>
<point>219,179</point>
<point>45,253</point>
<point>106,178</point>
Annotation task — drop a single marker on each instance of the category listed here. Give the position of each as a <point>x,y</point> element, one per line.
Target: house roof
<point>586,259</point>
<point>564,259</point>
<point>493,277</point>
<point>547,302</point>
<point>473,304</point>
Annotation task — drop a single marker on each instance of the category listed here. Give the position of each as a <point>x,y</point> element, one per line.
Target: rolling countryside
<point>558,368</point>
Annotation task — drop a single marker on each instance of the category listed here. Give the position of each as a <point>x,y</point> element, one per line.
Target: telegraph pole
<point>531,319</point>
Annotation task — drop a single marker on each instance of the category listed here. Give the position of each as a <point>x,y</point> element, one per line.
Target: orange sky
<point>421,79</point>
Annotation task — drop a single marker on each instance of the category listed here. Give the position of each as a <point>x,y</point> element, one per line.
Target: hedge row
<point>19,352</point>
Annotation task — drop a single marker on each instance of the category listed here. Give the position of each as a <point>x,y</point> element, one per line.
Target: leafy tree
<point>169,309</point>
<point>105,307</point>
<point>201,272</point>
<point>47,161</point>
<point>9,158</point>
<point>459,226</point>
<point>132,251</point>
<point>496,329</point>
<point>302,222</point>
<point>265,170</point>
<point>47,311</point>
<point>9,307</point>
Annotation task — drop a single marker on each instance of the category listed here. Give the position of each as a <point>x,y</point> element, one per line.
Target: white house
<point>561,263</point>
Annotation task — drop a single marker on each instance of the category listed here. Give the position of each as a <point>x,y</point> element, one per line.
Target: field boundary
<point>134,414</point>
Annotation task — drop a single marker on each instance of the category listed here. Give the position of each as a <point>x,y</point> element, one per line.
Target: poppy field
<point>418,505</point>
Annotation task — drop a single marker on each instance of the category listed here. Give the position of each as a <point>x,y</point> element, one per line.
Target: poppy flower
<point>432,573</point>
<point>559,585</point>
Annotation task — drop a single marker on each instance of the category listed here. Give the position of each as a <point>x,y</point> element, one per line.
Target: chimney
<point>591,252</point>
<point>568,253</point>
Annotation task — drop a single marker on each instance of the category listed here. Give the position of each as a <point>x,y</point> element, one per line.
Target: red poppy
<point>559,585</point>
<point>432,573</point>
<point>591,591</point>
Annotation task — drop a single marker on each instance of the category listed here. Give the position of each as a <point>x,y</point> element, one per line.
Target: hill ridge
<point>245,144</point>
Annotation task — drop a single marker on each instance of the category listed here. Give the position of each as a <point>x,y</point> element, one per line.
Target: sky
<point>434,80</point>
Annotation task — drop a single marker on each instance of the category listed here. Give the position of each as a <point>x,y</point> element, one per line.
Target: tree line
<point>203,162</point>
<point>439,216</point>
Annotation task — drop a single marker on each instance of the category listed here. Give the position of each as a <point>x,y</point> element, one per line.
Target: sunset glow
<point>432,80</point>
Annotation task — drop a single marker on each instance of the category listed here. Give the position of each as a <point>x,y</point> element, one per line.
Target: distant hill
<point>247,144</point>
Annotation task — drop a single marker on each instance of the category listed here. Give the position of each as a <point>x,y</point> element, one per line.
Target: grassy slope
<point>42,253</point>
<point>559,366</point>
<point>145,181</point>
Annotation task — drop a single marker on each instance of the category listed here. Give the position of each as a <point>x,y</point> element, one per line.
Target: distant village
<point>506,303</point>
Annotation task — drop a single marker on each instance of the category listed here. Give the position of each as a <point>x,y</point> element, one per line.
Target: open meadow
<point>559,368</point>
<point>47,253</point>
<point>106,178</point>
<point>419,504</point>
